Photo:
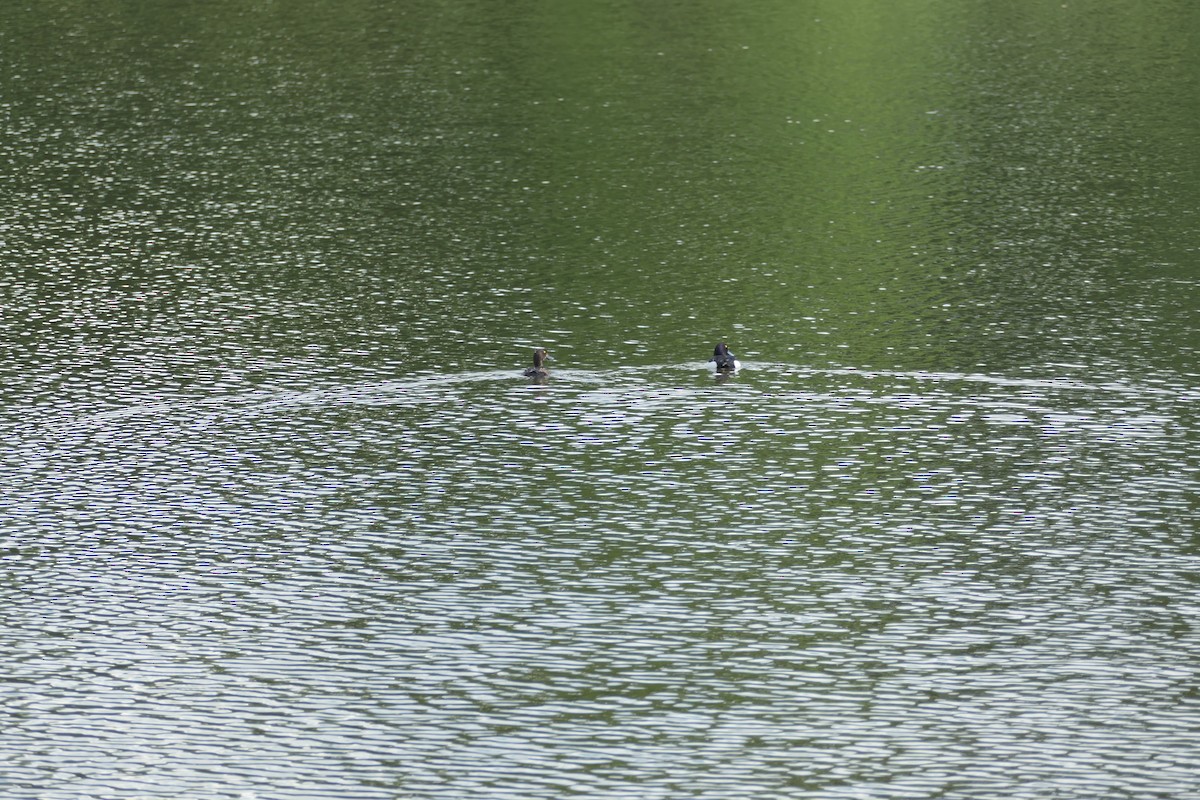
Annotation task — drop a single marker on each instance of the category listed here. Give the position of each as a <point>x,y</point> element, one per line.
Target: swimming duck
<point>538,370</point>
<point>723,359</point>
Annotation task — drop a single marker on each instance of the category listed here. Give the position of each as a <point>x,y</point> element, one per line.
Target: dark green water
<point>281,517</point>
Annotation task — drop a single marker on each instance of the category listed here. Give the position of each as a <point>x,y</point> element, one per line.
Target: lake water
<point>282,519</point>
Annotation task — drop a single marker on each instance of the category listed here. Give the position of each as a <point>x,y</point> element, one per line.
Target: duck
<point>723,359</point>
<point>538,370</point>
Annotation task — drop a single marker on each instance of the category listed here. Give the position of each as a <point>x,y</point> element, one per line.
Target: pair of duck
<point>722,357</point>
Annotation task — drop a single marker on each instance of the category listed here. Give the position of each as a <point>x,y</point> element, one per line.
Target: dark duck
<point>538,370</point>
<point>723,359</point>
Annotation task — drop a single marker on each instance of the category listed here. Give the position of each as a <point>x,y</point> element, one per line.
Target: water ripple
<point>803,583</point>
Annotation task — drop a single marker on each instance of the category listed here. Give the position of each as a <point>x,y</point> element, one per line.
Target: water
<point>282,518</point>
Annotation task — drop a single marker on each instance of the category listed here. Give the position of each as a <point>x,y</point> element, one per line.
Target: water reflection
<point>284,518</point>
<point>794,580</point>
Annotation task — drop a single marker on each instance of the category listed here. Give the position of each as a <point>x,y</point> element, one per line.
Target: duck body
<point>538,370</point>
<point>723,359</point>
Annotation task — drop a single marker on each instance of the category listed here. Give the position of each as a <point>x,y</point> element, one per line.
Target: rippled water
<point>792,582</point>
<point>282,519</point>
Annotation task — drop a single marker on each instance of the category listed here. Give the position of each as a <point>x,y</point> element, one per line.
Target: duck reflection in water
<point>723,360</point>
<point>538,371</point>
